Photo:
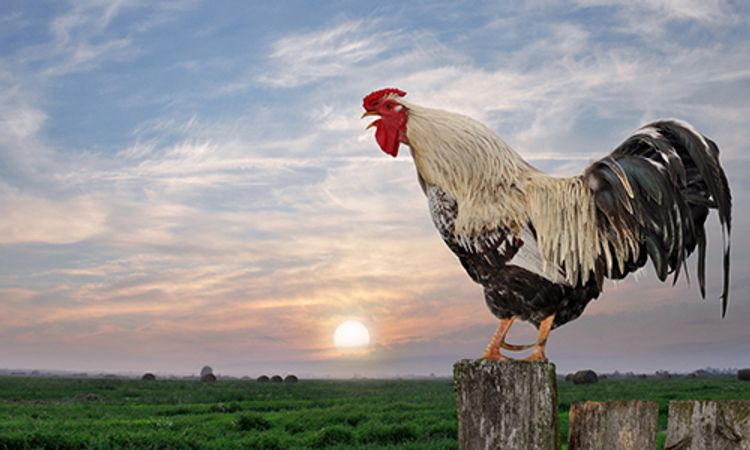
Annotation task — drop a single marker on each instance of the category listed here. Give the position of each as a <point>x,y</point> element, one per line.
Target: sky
<point>186,183</point>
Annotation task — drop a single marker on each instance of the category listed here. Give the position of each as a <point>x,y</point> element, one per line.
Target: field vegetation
<point>56,413</point>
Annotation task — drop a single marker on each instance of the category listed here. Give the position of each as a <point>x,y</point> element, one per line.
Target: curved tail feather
<point>655,191</point>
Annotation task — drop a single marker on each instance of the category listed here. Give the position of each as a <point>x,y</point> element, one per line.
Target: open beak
<point>368,114</point>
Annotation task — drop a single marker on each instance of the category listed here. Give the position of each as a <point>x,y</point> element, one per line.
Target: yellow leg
<point>492,351</point>
<point>544,328</point>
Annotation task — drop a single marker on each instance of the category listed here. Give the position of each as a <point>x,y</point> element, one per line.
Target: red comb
<point>377,95</point>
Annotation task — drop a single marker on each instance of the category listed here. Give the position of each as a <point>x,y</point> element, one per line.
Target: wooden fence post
<point>708,425</point>
<point>615,425</point>
<point>506,405</point>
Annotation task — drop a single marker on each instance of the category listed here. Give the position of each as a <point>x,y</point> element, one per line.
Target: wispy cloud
<point>314,56</point>
<point>658,12</point>
<point>78,41</point>
<point>27,218</point>
<point>83,38</point>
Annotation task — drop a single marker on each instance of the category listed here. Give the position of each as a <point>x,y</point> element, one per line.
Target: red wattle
<point>387,139</point>
<point>387,136</point>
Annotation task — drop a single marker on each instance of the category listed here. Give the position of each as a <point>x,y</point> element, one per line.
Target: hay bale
<point>206,370</point>
<point>277,379</point>
<point>148,377</point>
<point>585,377</point>
<point>208,378</point>
<point>743,374</point>
<point>291,379</point>
<point>263,379</point>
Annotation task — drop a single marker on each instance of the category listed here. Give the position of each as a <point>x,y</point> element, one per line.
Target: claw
<point>536,355</point>
<point>496,356</point>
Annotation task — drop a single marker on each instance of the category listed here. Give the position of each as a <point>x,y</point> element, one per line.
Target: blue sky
<point>186,183</point>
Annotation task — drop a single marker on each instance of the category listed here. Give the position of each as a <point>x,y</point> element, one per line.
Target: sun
<point>351,334</point>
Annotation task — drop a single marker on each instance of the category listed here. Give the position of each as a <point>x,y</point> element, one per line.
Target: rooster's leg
<point>492,352</point>
<point>544,328</point>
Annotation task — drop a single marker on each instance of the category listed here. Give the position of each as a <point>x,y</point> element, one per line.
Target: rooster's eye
<point>388,105</point>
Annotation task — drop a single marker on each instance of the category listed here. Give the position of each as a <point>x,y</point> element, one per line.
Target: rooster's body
<point>542,246</point>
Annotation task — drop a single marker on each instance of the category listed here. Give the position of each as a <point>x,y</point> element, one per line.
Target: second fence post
<point>615,425</point>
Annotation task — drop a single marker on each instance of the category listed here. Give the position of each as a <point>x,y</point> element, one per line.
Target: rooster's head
<point>391,126</point>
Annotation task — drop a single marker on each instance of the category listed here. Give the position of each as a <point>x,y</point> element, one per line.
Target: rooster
<point>542,246</point>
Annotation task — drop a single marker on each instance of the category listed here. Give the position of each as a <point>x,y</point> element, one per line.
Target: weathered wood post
<point>615,425</point>
<point>506,405</point>
<point>708,425</point>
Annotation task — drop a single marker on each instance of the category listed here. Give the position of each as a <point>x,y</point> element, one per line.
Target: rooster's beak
<point>368,114</point>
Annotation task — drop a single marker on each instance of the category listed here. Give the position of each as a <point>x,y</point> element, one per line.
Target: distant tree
<point>743,374</point>
<point>291,379</point>
<point>263,379</point>
<point>206,370</point>
<point>277,379</point>
<point>208,378</point>
<point>148,377</point>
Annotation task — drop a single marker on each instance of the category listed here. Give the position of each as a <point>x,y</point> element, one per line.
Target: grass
<point>372,414</point>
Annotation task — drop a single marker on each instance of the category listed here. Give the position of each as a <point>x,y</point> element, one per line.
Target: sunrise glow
<point>351,334</point>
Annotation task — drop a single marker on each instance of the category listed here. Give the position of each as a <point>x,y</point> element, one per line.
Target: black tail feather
<point>702,264</point>
<point>704,153</point>
<point>659,185</point>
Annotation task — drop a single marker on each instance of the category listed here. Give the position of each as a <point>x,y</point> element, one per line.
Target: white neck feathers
<point>472,164</point>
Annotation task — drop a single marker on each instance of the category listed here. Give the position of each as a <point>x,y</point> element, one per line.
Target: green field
<point>406,414</point>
